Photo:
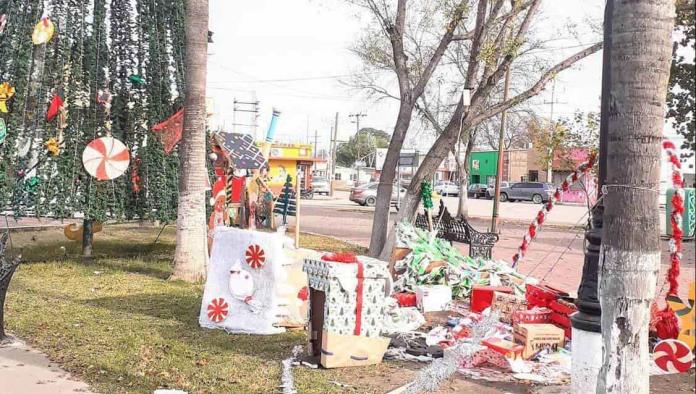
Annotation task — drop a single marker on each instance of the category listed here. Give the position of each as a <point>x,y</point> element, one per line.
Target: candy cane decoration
<point>675,243</point>
<point>544,211</point>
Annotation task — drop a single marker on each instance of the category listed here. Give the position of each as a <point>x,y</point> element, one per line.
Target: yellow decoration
<point>52,146</point>
<point>6,93</point>
<point>687,316</point>
<point>43,31</point>
<point>73,231</point>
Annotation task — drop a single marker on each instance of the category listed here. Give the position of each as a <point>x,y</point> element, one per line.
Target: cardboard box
<point>351,350</point>
<point>507,304</point>
<point>536,337</point>
<point>482,296</point>
<point>433,298</point>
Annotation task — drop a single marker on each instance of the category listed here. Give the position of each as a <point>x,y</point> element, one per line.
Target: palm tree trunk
<point>630,251</point>
<point>191,235</point>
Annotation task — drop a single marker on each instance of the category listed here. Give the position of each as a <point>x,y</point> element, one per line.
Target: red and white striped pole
<point>544,211</point>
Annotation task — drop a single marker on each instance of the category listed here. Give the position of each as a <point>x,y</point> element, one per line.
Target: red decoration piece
<point>54,107</point>
<point>542,295</point>
<point>482,296</point>
<point>135,176</point>
<point>255,256</point>
<point>303,294</point>
<point>217,310</point>
<point>405,299</point>
<point>532,316</point>
<point>673,356</point>
<point>666,322</point>
<point>340,257</point>
<point>170,131</point>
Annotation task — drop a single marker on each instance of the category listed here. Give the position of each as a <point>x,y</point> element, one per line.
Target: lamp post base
<point>586,361</point>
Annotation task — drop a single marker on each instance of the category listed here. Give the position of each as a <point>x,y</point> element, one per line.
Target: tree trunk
<point>463,172</point>
<point>191,235</point>
<point>630,252</point>
<point>380,222</point>
<point>87,238</point>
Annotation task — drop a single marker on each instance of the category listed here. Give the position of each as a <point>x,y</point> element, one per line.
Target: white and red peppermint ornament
<point>106,158</point>
<point>218,310</point>
<point>544,211</point>
<point>255,256</point>
<point>673,356</point>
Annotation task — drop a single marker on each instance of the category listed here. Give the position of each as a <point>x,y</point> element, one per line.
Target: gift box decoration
<point>532,316</point>
<point>244,272</point>
<point>348,306</point>
<point>482,296</point>
<point>537,337</point>
<point>433,298</point>
<point>506,348</point>
<point>506,304</point>
<point>541,295</point>
<point>561,310</point>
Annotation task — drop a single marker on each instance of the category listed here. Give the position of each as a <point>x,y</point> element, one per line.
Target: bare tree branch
<point>538,86</point>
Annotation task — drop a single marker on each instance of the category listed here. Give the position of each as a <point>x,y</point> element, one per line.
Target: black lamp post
<point>587,322</point>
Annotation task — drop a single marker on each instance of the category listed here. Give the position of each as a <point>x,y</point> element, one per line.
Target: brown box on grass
<point>536,337</point>
<point>351,350</point>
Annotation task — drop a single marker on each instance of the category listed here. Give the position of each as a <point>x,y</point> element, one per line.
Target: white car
<point>447,188</point>
<point>321,186</point>
<point>490,191</point>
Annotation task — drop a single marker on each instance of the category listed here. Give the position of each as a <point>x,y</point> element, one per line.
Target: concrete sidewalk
<point>24,370</point>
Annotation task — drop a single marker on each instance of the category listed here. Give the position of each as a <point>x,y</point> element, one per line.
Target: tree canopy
<point>680,97</point>
<point>363,143</point>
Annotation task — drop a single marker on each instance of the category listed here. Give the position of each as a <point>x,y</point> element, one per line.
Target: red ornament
<point>217,310</point>
<point>255,256</point>
<point>303,294</point>
<point>340,257</point>
<point>54,107</point>
<point>673,356</point>
<point>170,131</point>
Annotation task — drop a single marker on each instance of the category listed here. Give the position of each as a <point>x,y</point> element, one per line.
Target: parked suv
<point>536,192</point>
<point>321,186</point>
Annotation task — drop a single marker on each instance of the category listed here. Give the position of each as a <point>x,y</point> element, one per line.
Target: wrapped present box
<point>241,290</point>
<point>506,304</point>
<point>540,295</point>
<point>537,337</point>
<point>561,310</point>
<point>433,298</point>
<point>506,348</point>
<point>347,309</point>
<point>482,296</point>
<point>531,316</point>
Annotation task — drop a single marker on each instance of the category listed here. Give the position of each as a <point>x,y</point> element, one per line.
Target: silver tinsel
<point>432,376</point>
<point>287,381</point>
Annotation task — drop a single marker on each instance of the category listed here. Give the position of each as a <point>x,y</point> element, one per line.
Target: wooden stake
<point>298,193</point>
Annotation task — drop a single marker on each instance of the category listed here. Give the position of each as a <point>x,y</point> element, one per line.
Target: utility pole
<point>251,107</point>
<point>334,144</point>
<point>501,152</point>
<point>357,138</point>
<point>549,170</point>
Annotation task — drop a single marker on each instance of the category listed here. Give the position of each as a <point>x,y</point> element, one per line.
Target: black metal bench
<point>7,268</point>
<point>459,230</point>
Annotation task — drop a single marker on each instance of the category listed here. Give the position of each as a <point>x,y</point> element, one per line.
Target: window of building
<point>337,176</point>
<point>533,176</point>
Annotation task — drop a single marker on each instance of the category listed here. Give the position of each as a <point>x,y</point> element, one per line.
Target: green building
<point>483,167</point>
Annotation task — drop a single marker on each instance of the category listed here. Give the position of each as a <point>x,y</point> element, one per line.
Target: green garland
<point>427,194</point>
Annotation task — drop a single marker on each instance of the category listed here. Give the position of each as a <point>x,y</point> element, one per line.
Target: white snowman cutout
<point>241,286</point>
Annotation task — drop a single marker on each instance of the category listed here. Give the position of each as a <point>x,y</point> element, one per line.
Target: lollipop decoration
<point>217,310</point>
<point>43,31</point>
<point>6,93</point>
<point>255,256</point>
<point>106,158</point>
<point>673,356</point>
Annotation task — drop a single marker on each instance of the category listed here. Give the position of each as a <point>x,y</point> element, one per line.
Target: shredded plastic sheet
<point>460,272</point>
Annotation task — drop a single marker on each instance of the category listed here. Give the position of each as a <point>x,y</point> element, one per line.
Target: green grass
<point>119,324</point>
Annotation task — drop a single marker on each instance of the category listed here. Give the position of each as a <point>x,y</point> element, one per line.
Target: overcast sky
<point>292,55</point>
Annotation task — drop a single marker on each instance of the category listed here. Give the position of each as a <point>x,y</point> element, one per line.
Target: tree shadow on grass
<point>176,319</point>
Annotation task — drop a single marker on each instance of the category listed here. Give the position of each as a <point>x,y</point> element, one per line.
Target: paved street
<point>556,254</point>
